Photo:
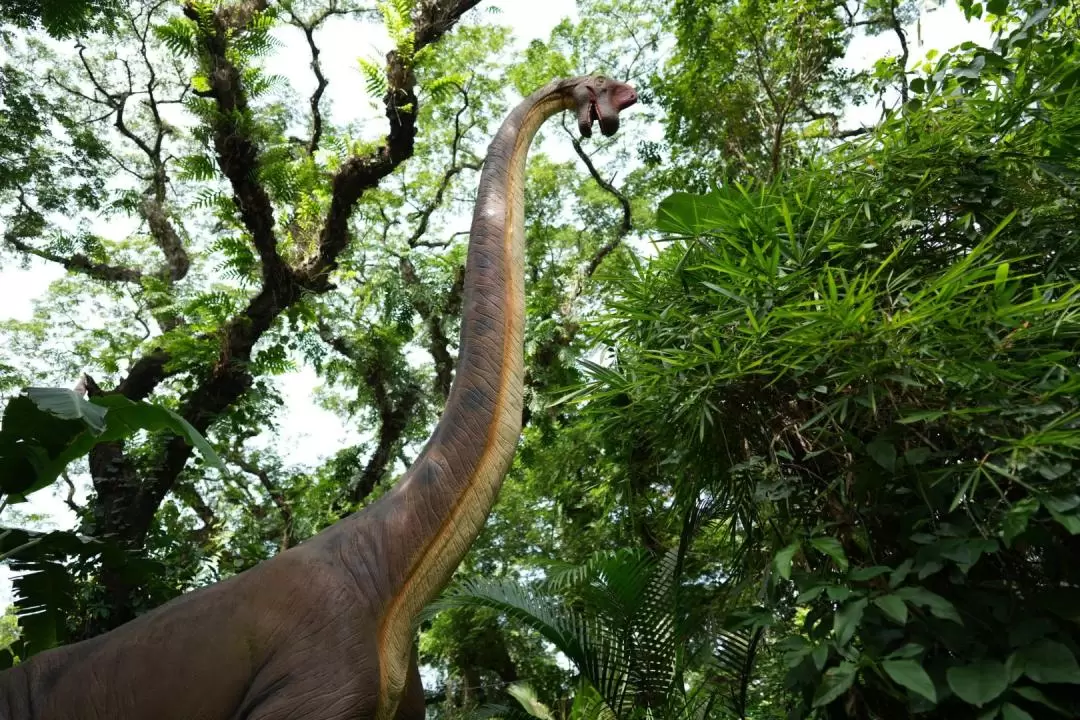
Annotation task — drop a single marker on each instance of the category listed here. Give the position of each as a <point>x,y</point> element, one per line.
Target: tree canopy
<point>801,420</point>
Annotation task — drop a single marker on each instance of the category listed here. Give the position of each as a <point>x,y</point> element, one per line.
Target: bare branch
<point>308,28</point>
<point>79,263</point>
<point>627,221</point>
<point>70,499</point>
<point>432,20</point>
<point>288,535</point>
<point>394,407</point>
<point>425,213</point>
<point>894,22</point>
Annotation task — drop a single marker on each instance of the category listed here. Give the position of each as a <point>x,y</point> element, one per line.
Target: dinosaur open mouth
<point>609,124</point>
<point>600,100</point>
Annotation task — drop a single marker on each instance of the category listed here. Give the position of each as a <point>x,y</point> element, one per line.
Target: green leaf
<point>1014,667</point>
<point>894,607</point>
<point>1047,661</point>
<point>186,430</point>
<point>29,439</point>
<point>834,683</point>
<point>1070,522</point>
<point>1001,275</point>
<point>1061,504</point>
<point>1011,712</point>
<point>921,416</point>
<point>869,573</point>
<point>997,7</point>
<point>783,560</point>
<point>978,683</point>
<point>900,573</point>
<point>37,446</point>
<point>684,213</point>
<point>831,546</point>
<point>526,696</point>
<point>69,405</point>
<point>1036,695</point>
<point>883,452</point>
<point>937,605</point>
<point>1016,520</point>
<point>820,655</point>
<point>908,651</point>
<point>917,456</point>
<point>847,619</point>
<point>911,675</point>
<point>967,552</point>
<point>839,593</point>
<point>127,417</point>
<point>810,595</point>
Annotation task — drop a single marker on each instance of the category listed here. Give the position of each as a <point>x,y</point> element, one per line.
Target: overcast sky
<point>307,433</point>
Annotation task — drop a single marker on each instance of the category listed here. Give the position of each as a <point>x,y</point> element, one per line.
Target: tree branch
<point>432,20</point>
<point>627,221</point>
<point>394,407</point>
<point>177,260</point>
<point>229,378</point>
<point>70,499</point>
<point>547,352</point>
<point>853,132</point>
<point>433,319</point>
<point>186,492</point>
<point>455,168</point>
<point>288,535</point>
<point>894,22</point>
<point>238,156</point>
<point>308,28</point>
<point>79,263</point>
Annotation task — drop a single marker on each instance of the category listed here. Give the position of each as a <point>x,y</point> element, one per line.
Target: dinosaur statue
<point>325,630</point>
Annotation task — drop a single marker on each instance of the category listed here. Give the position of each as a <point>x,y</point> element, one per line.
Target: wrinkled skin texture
<point>324,630</point>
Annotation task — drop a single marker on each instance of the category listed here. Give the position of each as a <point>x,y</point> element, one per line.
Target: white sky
<point>308,433</point>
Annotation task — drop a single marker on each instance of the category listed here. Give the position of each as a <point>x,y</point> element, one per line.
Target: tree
<point>650,386</point>
<point>282,227</point>
<point>205,331</point>
<point>868,365</point>
<point>60,18</point>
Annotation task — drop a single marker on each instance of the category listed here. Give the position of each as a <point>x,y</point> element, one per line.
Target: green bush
<point>873,365</point>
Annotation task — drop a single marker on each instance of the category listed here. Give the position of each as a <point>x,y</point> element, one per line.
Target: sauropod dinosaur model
<point>324,630</point>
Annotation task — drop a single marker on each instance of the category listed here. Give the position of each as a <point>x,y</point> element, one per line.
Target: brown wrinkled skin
<point>314,633</point>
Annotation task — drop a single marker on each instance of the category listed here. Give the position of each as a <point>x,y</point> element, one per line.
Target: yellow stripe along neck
<point>434,562</point>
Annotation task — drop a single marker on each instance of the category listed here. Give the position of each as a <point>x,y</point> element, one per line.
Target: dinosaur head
<point>596,98</point>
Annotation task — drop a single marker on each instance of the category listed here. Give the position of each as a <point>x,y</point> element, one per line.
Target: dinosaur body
<point>324,630</point>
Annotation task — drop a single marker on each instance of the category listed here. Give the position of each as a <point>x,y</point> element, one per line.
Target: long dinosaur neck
<point>435,512</point>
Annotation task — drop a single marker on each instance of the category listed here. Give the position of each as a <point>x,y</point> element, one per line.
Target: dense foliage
<point>872,364</point>
<point>810,453</point>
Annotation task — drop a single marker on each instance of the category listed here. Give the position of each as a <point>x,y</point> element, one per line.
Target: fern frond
<point>443,88</point>
<point>178,34</point>
<point>374,78</point>
<point>208,198</point>
<point>255,40</point>
<point>197,167</point>
<point>204,12</point>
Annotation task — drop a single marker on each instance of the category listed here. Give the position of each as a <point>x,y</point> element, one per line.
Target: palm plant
<point>622,620</point>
